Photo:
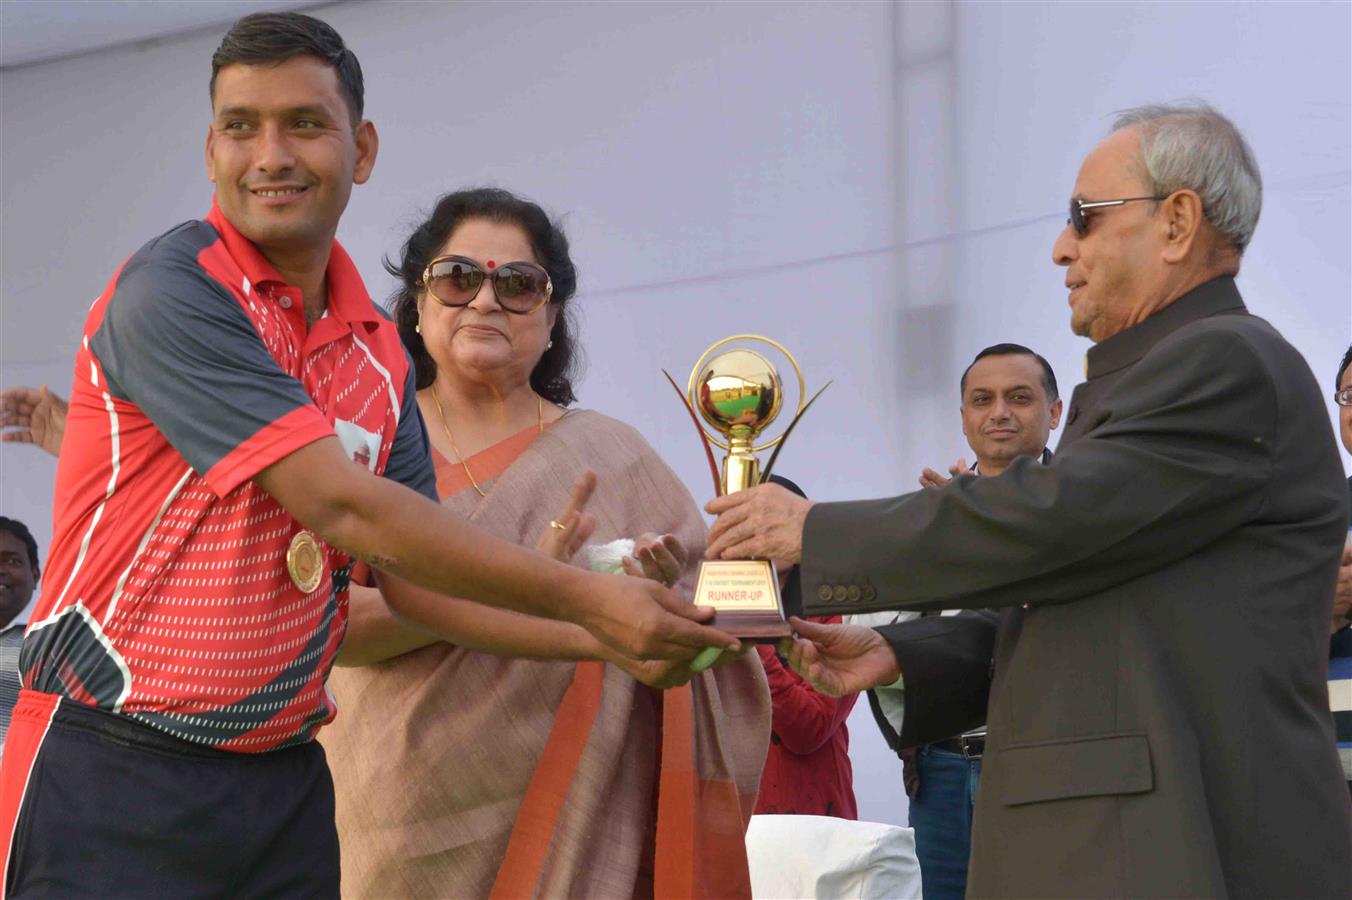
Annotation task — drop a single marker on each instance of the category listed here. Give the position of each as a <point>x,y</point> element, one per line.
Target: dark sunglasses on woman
<point>521,287</point>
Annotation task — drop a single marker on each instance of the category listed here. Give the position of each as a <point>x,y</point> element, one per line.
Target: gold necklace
<point>539,412</point>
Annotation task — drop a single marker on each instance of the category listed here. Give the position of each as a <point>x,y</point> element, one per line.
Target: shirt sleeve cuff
<point>898,685</point>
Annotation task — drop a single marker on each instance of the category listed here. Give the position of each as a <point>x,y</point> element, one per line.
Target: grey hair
<point>1190,145</point>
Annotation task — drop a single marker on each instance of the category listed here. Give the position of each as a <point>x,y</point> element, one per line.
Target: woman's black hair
<point>553,375</point>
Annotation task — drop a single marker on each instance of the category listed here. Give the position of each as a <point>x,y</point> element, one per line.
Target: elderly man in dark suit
<point>1158,720</point>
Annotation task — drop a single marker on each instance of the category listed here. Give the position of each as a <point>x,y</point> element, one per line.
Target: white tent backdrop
<point>877,185</point>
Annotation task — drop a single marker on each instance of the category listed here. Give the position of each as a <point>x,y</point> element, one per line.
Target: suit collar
<point>1219,295</point>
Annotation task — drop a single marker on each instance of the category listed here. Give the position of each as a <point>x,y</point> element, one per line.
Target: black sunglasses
<point>521,287</point>
<point>1077,208</point>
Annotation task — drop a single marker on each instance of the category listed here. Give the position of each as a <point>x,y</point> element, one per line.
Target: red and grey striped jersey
<point>168,597</point>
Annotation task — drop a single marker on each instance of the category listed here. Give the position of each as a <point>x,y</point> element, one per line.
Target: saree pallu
<point>462,774</point>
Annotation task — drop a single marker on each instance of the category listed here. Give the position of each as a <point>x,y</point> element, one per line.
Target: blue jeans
<point>941,815</point>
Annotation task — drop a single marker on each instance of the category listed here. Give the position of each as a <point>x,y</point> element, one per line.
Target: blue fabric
<point>941,815</point>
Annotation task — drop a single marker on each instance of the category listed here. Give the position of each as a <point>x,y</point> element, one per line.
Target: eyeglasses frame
<point>1096,204</point>
<point>427,277</point>
<point>1343,397</point>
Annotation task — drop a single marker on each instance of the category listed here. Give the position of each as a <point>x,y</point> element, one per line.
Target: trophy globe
<point>738,392</point>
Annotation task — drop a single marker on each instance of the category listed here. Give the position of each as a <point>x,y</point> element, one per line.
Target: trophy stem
<point>741,468</point>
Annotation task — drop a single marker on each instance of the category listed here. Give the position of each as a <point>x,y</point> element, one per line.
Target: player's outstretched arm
<point>375,633</point>
<point>394,529</point>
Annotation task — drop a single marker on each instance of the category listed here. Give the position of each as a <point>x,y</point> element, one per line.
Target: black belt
<point>971,746</point>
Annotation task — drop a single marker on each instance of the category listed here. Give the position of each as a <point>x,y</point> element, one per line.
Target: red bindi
<point>491,264</point>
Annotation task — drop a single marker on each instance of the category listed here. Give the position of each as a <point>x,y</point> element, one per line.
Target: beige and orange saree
<point>462,774</point>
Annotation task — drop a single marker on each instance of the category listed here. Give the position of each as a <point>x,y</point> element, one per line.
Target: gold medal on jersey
<point>305,561</point>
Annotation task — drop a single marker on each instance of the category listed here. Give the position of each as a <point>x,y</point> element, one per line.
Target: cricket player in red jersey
<point>242,428</point>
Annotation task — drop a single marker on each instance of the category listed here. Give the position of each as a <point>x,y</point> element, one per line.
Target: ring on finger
<point>554,523</point>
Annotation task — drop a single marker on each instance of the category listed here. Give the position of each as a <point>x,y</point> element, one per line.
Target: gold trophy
<point>738,392</point>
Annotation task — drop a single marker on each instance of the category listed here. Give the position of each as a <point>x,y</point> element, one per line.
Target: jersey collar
<point>348,299</point>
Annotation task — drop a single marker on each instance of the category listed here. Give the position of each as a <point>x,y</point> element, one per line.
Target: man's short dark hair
<point>20,531</point>
<point>272,38</point>
<point>1342,367</point>
<point>1048,376</point>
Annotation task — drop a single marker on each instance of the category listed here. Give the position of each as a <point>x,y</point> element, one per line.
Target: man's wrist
<point>802,531</point>
<point>583,645</point>
<point>892,673</point>
<point>576,589</point>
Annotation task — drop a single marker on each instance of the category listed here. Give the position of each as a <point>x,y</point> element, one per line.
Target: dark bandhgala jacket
<point>1159,719</point>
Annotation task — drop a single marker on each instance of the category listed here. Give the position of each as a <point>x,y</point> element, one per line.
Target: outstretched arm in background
<point>33,416</point>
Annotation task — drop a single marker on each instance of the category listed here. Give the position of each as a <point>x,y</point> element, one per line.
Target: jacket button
<point>839,593</point>
<point>824,593</point>
<point>870,593</point>
<point>853,594</point>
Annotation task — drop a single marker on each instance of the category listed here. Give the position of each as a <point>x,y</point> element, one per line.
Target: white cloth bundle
<point>606,558</point>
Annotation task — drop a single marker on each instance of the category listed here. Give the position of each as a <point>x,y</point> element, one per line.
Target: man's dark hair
<point>1048,376</point>
<point>553,375</point>
<point>1342,367</point>
<point>20,531</point>
<point>272,38</point>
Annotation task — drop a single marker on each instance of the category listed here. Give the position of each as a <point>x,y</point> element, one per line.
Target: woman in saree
<point>523,759</point>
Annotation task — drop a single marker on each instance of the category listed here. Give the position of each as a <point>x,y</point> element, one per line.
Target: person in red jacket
<point>807,771</point>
